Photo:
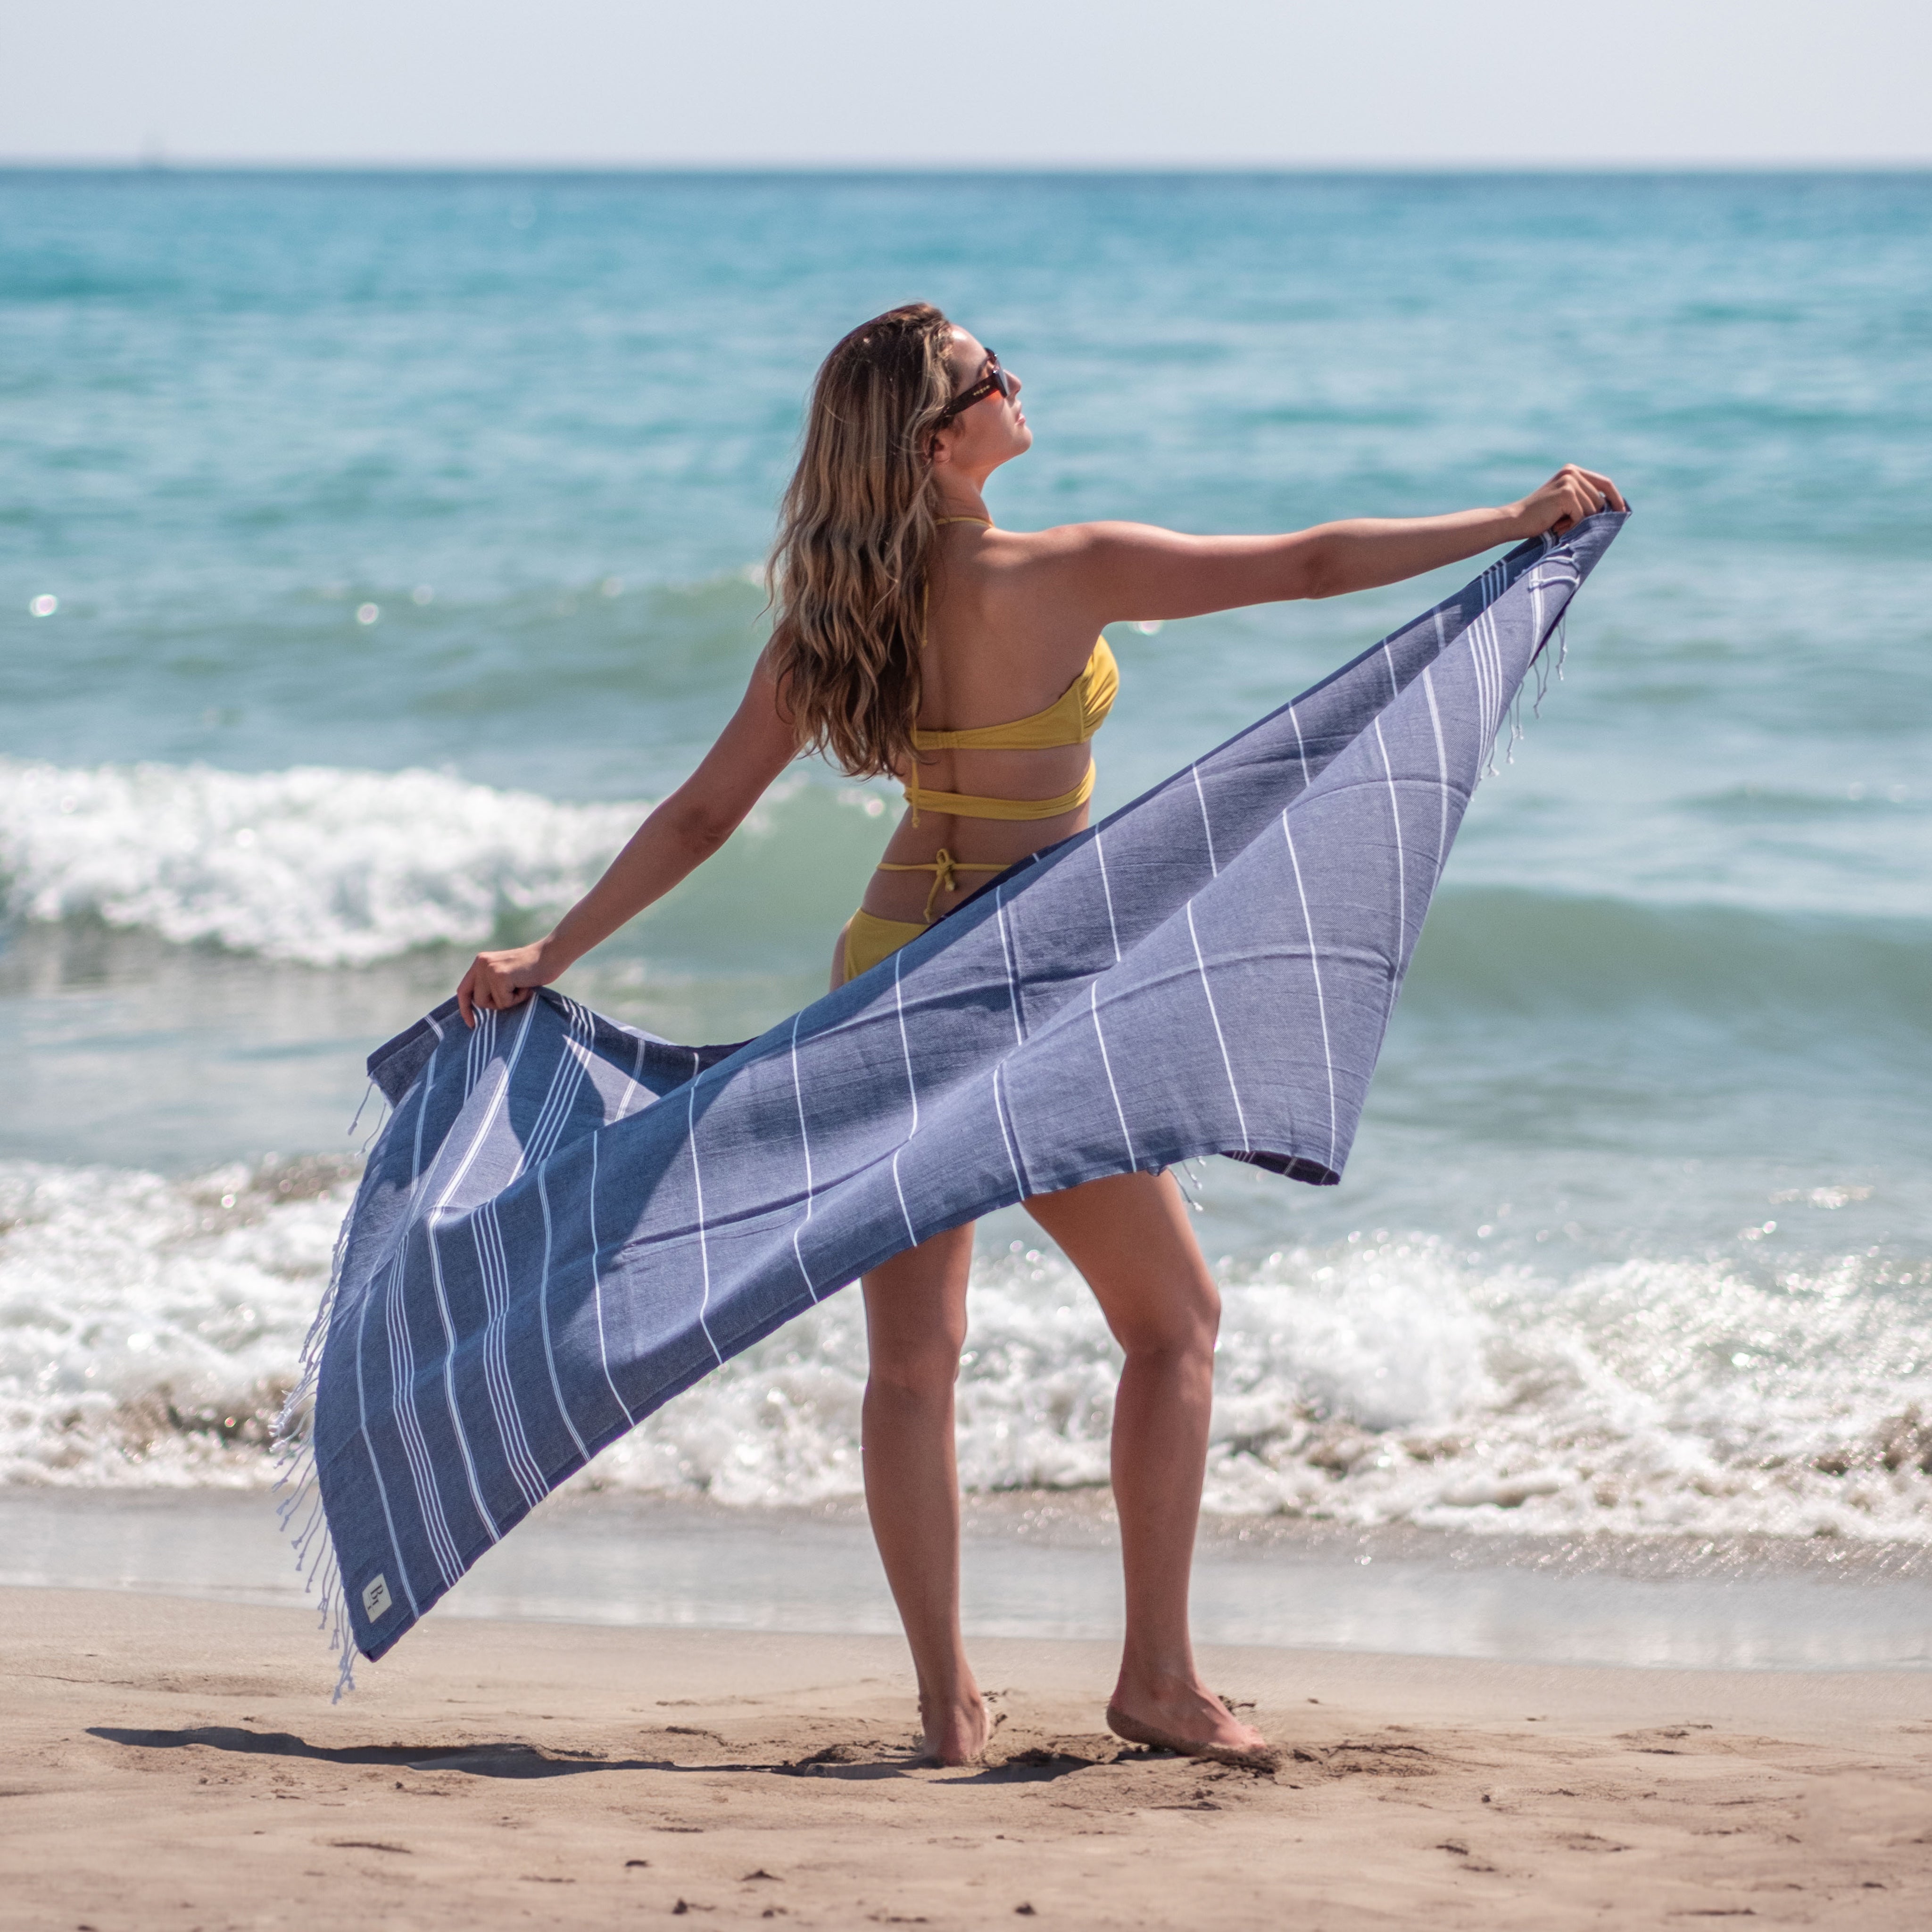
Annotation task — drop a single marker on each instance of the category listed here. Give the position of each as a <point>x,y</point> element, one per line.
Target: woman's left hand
<point>501,980</point>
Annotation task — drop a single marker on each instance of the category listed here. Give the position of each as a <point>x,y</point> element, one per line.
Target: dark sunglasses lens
<point>995,379</point>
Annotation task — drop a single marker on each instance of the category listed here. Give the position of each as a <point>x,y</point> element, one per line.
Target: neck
<point>961,503</point>
<point>961,492</point>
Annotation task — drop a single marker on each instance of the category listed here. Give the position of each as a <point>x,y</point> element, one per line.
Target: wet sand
<point>1047,1564</point>
<point>171,1763</point>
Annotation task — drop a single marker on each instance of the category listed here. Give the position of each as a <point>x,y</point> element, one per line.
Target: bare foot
<point>1191,1720</point>
<point>956,1733</point>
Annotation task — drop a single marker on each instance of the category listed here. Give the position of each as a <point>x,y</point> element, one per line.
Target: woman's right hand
<point>501,980</point>
<point>1565,500</point>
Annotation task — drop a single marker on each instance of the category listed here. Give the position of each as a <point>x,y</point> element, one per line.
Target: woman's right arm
<point>672,843</point>
<point>1115,571</point>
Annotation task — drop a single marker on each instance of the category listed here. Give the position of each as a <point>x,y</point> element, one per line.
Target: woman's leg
<point>915,1328</point>
<point>1129,1236</point>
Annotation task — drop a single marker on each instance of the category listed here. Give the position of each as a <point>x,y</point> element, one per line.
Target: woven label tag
<point>375,1599</point>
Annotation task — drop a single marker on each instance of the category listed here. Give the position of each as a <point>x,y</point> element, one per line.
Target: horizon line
<point>162,163</point>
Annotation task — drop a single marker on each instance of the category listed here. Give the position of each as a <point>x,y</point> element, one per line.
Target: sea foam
<point>327,866</point>
<point>150,1328</point>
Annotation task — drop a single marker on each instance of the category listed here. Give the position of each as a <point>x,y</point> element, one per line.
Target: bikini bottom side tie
<point>868,938</point>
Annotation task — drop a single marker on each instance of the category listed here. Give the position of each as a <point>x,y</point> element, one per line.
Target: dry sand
<point>167,1763</point>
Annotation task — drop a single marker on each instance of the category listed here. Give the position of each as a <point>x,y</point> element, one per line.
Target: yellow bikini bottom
<point>868,939</point>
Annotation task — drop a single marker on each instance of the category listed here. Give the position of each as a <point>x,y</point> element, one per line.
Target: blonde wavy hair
<point>848,573</point>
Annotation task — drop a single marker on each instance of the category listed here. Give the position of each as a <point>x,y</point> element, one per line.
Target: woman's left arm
<point>672,843</point>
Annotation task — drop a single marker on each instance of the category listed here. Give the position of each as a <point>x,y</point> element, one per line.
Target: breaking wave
<point>325,866</point>
<point>149,1329</point>
<point>332,867</point>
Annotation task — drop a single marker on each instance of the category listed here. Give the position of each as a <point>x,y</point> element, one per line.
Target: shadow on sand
<point>512,1758</point>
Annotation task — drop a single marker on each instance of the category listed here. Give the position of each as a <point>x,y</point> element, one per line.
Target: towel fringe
<point>1541,664</point>
<point>1544,670</point>
<point>301,1513</point>
<point>382,1112</point>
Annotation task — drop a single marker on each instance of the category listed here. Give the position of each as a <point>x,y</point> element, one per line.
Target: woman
<point>912,637</point>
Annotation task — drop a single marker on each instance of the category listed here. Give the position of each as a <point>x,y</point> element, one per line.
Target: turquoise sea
<point>372,547</point>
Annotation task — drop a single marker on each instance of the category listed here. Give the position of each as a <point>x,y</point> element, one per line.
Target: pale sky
<point>998,82</point>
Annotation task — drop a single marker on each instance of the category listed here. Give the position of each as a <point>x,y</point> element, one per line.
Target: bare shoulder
<point>1086,575</point>
<point>1079,544</point>
<point>1077,558</point>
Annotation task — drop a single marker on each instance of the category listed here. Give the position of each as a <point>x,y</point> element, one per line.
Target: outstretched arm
<point>1135,571</point>
<point>673,842</point>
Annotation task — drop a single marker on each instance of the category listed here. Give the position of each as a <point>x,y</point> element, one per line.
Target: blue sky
<point>1005,83</point>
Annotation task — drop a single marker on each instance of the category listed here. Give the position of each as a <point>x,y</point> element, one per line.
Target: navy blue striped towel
<point>566,1222</point>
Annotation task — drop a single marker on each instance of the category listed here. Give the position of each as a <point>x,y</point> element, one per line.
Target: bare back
<point>1002,641</point>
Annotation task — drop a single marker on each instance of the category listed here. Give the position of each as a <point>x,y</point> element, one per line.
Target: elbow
<point>706,835</point>
<point>698,831</point>
<point>1322,575</point>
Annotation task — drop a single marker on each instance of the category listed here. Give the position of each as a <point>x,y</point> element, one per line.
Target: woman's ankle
<point>956,1726</point>
<point>1161,1675</point>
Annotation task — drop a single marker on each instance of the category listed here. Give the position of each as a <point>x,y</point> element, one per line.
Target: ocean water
<point>373,548</point>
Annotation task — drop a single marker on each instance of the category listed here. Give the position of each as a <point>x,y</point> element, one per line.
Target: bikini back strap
<point>966,805</point>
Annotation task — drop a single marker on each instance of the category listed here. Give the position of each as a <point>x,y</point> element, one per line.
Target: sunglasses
<point>995,380</point>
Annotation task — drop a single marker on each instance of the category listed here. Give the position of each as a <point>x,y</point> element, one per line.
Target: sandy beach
<point>175,1763</point>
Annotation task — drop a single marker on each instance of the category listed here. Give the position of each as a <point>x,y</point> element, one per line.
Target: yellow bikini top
<point>1072,718</point>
